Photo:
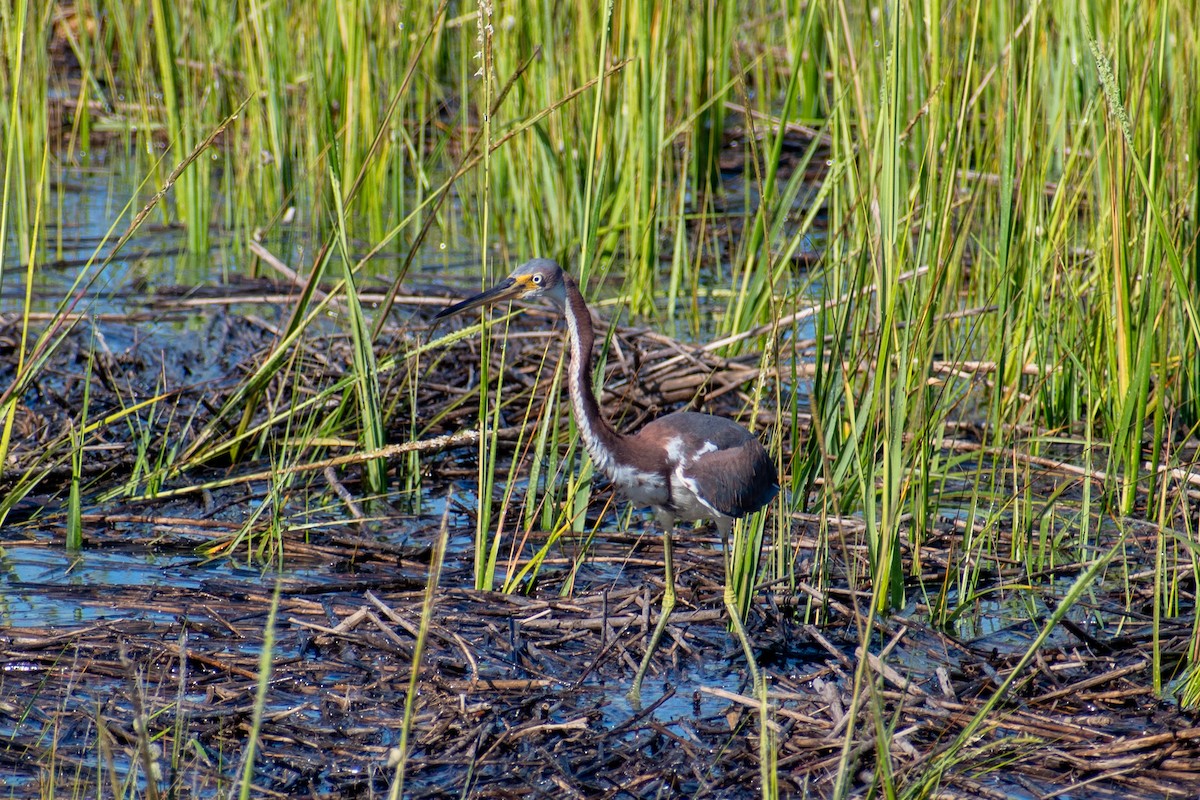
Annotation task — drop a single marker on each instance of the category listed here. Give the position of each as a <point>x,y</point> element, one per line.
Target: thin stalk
<point>265,661</point>
<point>399,755</point>
<point>366,383</point>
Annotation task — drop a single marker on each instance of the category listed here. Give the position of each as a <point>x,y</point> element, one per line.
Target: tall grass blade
<point>399,756</point>
<point>266,659</point>
<point>366,376</point>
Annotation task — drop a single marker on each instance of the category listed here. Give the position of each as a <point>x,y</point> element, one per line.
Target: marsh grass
<point>245,784</point>
<point>75,498</point>
<point>398,758</point>
<point>1008,198</point>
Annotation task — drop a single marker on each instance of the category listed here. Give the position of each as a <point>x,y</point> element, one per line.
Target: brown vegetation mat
<point>525,695</point>
<point>518,695</point>
<point>195,367</point>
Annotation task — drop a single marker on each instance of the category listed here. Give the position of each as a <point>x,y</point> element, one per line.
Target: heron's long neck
<point>601,440</point>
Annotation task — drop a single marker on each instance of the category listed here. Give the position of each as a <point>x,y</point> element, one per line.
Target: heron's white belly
<point>640,488</point>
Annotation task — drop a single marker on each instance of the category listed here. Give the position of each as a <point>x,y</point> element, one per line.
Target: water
<point>34,582</point>
<point>150,589</point>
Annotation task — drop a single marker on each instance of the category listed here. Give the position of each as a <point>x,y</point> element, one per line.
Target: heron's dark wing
<point>736,481</point>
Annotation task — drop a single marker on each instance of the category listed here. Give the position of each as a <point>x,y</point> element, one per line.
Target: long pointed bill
<point>504,290</point>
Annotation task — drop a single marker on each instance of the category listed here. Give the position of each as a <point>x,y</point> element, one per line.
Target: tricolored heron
<point>686,466</point>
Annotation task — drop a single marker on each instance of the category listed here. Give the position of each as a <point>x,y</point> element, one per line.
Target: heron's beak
<point>504,290</point>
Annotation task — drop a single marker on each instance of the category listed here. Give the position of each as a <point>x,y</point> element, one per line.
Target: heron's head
<point>540,277</point>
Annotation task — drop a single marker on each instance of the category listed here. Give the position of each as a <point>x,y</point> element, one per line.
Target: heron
<point>686,466</point>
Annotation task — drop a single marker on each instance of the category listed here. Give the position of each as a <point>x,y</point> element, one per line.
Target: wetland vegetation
<point>266,529</point>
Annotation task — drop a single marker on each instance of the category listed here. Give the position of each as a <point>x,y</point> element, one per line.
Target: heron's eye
<point>537,279</point>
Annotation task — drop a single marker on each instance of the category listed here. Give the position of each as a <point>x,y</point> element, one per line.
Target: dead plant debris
<point>519,694</point>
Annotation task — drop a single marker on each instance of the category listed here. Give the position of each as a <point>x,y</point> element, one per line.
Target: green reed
<point>398,757</point>
<point>602,178</point>
<point>1006,199</point>
<point>952,180</point>
<point>245,783</point>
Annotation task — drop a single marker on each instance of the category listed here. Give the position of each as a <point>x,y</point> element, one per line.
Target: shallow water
<point>29,576</point>
<point>148,584</point>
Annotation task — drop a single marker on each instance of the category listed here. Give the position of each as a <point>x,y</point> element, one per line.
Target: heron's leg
<point>668,603</point>
<point>731,607</point>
